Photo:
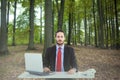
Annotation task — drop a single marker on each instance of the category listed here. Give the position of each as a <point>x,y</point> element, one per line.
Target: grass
<point>105,61</point>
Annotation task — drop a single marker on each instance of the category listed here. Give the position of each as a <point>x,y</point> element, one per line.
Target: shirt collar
<point>60,46</point>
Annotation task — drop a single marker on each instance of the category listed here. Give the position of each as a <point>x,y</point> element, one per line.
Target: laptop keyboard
<point>39,73</point>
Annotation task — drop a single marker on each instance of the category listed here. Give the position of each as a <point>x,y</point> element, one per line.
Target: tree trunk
<point>85,26</point>
<point>95,28</point>
<point>41,23</point>
<point>31,24</point>
<point>8,14</point>
<point>48,25</point>
<point>8,3</point>
<point>113,28</point>
<point>3,30</point>
<point>89,33</point>
<point>69,29</point>
<point>75,36</point>
<point>117,26</point>
<point>70,23</point>
<point>60,14</point>
<point>53,11</point>
<point>101,24</point>
<point>79,29</point>
<point>14,24</point>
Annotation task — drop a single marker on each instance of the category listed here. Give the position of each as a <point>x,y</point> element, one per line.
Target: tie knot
<point>59,48</point>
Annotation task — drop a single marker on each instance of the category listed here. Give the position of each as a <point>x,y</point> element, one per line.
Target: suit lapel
<point>65,55</point>
<point>54,52</point>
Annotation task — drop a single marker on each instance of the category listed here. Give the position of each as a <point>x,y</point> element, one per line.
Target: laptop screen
<point>33,62</point>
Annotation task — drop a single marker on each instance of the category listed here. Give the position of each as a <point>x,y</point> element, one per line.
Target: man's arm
<point>46,69</point>
<point>73,62</point>
<point>46,61</point>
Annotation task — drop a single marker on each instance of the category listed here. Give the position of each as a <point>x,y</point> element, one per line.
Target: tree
<point>14,25</point>
<point>60,13</point>
<point>3,29</point>
<point>101,23</point>
<point>70,21</point>
<point>85,24</point>
<point>70,28</point>
<point>48,25</point>
<point>41,21</point>
<point>117,26</point>
<point>31,24</point>
<point>95,28</point>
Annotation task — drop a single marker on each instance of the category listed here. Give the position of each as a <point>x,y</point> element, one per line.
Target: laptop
<point>34,64</point>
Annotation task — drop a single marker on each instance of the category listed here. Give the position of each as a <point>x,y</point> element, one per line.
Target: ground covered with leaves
<point>106,62</point>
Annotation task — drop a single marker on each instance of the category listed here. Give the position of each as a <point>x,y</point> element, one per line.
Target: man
<point>60,57</point>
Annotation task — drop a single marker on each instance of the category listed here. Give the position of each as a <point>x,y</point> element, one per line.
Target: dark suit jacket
<point>69,58</point>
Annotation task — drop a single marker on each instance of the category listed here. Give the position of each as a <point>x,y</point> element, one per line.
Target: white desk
<point>89,74</point>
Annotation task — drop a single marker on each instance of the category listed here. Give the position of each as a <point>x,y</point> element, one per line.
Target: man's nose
<point>60,38</point>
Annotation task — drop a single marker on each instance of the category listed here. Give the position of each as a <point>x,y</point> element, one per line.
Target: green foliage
<point>21,35</point>
<point>37,34</point>
<point>25,3</point>
<point>23,19</point>
<point>10,33</point>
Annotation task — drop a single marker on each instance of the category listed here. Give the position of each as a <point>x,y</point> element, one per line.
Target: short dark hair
<point>59,31</point>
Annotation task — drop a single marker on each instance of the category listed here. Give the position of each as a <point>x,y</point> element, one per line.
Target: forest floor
<point>106,62</point>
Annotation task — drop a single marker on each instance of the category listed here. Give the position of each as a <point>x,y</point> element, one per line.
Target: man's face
<point>60,38</point>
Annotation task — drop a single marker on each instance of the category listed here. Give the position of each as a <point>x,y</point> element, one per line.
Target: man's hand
<point>46,69</point>
<point>72,71</point>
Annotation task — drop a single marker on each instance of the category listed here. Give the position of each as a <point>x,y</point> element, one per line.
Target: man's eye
<point>61,36</point>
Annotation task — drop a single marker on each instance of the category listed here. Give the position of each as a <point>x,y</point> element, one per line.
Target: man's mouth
<point>60,40</point>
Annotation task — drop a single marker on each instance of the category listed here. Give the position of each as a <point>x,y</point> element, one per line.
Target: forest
<point>92,28</point>
<point>85,22</point>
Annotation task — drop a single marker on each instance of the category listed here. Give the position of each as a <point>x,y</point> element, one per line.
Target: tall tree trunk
<point>70,22</point>
<point>110,27</point>
<point>70,28</point>
<point>8,13</point>
<point>14,24</point>
<point>8,5</point>
<point>53,11</point>
<point>3,30</point>
<point>31,24</point>
<point>95,28</point>
<point>75,36</point>
<point>101,23</point>
<point>113,28</point>
<point>106,27</point>
<point>85,25</point>
<point>117,26</point>
<point>60,14</point>
<point>79,29</point>
<point>41,23</point>
<point>48,25</point>
<point>89,38</point>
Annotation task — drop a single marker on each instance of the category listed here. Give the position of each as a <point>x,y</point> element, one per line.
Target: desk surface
<point>86,74</point>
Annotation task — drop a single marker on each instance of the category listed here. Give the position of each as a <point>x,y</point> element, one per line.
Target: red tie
<point>58,65</point>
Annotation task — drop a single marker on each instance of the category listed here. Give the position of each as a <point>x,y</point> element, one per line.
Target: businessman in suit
<point>60,57</point>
